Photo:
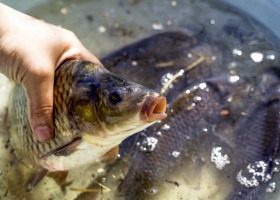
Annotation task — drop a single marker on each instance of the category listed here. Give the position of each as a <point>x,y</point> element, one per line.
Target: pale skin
<point>30,51</point>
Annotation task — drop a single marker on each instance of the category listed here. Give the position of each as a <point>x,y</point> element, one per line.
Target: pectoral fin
<point>36,179</point>
<point>63,150</point>
<point>111,156</point>
<point>59,177</point>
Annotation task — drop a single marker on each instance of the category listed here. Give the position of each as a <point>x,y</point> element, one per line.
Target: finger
<point>80,53</point>
<point>39,90</point>
<point>87,55</point>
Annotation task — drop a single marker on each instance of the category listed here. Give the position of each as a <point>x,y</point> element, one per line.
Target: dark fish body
<point>176,137</point>
<point>240,117</point>
<point>257,141</point>
<point>94,110</point>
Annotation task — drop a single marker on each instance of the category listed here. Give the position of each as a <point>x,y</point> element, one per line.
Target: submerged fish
<point>94,111</point>
<point>218,118</point>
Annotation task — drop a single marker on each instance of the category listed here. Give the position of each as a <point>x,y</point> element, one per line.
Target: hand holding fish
<point>30,51</point>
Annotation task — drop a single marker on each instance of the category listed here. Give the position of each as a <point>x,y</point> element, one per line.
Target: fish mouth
<point>153,109</point>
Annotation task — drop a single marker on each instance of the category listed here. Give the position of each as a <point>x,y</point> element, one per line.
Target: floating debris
<point>173,3</point>
<point>100,170</point>
<point>101,29</point>
<point>157,26</point>
<point>165,64</point>
<point>224,112</point>
<point>89,18</point>
<point>168,84</point>
<point>64,10</point>
<point>102,188</point>
<point>172,182</point>
<point>220,160</point>
<point>134,63</point>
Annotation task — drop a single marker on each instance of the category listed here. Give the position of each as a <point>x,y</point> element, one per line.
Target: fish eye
<point>115,96</point>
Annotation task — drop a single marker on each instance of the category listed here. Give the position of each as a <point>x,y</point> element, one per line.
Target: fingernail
<point>43,133</point>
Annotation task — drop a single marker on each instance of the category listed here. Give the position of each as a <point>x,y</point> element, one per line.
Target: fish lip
<point>153,108</point>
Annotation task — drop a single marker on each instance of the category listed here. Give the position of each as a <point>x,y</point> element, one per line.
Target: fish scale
<point>182,136</point>
<point>86,97</point>
<point>245,126</point>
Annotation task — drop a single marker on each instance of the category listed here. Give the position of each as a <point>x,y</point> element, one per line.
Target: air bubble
<point>165,127</point>
<point>253,174</point>
<point>148,144</point>
<point>197,98</point>
<point>271,187</point>
<point>153,190</point>
<point>175,154</point>
<point>165,78</point>
<point>236,52</point>
<point>202,86</point>
<point>204,129</point>
<point>158,133</point>
<point>270,57</point>
<point>277,162</point>
<point>256,57</point>
<point>220,160</point>
<point>268,177</point>
<point>233,79</point>
<point>134,63</point>
<point>212,21</point>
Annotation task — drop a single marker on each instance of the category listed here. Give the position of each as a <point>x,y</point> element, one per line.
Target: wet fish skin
<point>144,176</point>
<point>94,111</point>
<point>161,53</point>
<point>258,137</point>
<point>148,171</point>
<point>186,123</point>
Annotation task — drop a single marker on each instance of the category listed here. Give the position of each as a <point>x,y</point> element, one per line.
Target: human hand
<point>30,51</point>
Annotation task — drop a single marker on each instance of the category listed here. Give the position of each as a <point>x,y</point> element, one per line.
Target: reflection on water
<point>221,136</point>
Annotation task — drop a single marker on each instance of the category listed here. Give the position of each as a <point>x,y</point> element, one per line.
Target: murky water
<point>237,48</point>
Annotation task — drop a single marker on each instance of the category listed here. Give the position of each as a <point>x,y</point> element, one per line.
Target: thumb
<point>39,91</point>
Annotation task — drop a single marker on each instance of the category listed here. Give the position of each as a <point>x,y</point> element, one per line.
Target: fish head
<point>104,105</point>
